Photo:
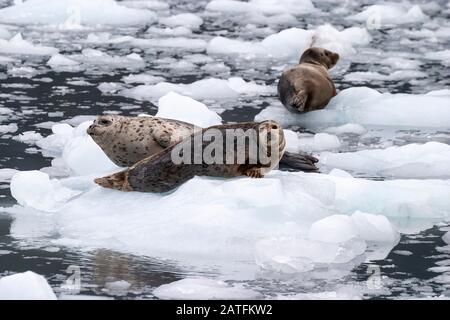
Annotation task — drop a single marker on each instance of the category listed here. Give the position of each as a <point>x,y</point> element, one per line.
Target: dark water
<point>32,99</point>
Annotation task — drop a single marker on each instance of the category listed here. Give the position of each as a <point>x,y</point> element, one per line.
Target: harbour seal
<point>161,173</point>
<point>127,140</point>
<point>308,86</point>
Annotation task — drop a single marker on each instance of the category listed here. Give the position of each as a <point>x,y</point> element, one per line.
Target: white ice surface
<point>178,107</point>
<point>25,286</point>
<point>189,20</point>
<point>71,13</point>
<point>367,106</point>
<point>266,7</point>
<point>290,43</point>
<point>211,88</point>
<point>429,160</point>
<point>379,15</point>
<point>18,46</point>
<point>204,289</point>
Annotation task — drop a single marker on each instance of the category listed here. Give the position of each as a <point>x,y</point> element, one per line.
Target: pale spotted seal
<point>160,173</point>
<point>308,86</point>
<point>127,140</point>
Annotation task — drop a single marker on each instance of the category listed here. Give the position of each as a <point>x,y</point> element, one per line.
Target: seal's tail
<point>300,161</point>
<point>117,181</point>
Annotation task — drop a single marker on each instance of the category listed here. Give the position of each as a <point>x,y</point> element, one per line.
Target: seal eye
<point>104,122</point>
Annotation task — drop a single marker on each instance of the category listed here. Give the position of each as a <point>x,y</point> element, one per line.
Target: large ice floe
<point>72,13</point>
<point>287,222</point>
<point>17,45</point>
<point>266,7</point>
<point>367,106</point>
<point>290,43</point>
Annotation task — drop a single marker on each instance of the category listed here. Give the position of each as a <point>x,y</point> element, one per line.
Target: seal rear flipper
<point>300,161</point>
<point>118,181</point>
<point>293,99</point>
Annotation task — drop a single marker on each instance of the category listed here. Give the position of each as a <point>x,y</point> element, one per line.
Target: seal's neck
<point>314,62</point>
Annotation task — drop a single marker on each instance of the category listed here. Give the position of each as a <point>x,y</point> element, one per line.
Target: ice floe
<point>25,286</point>
<point>211,88</point>
<point>429,160</point>
<point>204,289</point>
<point>267,7</point>
<point>17,45</point>
<point>290,43</point>
<point>189,20</point>
<point>74,12</point>
<point>367,106</point>
<point>380,15</point>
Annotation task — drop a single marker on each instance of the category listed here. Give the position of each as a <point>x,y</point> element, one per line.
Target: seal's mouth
<point>92,130</point>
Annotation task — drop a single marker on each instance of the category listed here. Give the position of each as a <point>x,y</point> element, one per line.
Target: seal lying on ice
<point>127,140</point>
<point>308,86</point>
<point>243,149</point>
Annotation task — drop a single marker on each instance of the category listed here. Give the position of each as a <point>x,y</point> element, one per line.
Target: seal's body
<point>308,86</point>
<point>162,173</point>
<point>127,140</point>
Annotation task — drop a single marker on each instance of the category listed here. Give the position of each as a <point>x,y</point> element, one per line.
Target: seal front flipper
<point>118,181</point>
<point>254,172</point>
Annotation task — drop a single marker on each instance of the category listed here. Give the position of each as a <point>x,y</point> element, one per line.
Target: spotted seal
<point>161,173</point>
<point>308,86</point>
<point>127,140</point>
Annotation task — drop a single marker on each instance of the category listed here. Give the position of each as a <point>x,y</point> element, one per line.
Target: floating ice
<point>29,137</point>
<point>8,128</point>
<point>443,56</point>
<point>267,7</point>
<point>178,107</point>
<point>74,12</point>
<point>429,160</point>
<point>204,289</point>
<point>6,174</point>
<point>58,61</point>
<point>290,43</point>
<point>174,43</point>
<point>36,190</point>
<point>173,32</point>
<point>211,88</point>
<point>377,16</point>
<point>296,142</point>
<point>142,78</point>
<point>266,209</point>
<point>17,45</point>
<point>146,4</point>
<point>100,58</point>
<point>367,106</point>
<point>398,75</point>
<point>348,128</point>
<point>188,20</point>
<point>25,286</point>
<point>446,237</point>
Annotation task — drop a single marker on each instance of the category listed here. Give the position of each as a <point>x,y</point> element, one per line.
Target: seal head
<point>321,56</point>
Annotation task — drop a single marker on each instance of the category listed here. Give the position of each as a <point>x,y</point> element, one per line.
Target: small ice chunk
<point>178,107</point>
<point>29,137</point>
<point>17,45</point>
<point>188,20</point>
<point>142,78</point>
<point>319,142</point>
<point>204,289</point>
<point>374,228</point>
<point>349,128</point>
<point>117,288</point>
<point>8,128</point>
<point>36,190</point>
<point>25,286</point>
<point>446,237</point>
<point>58,60</point>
